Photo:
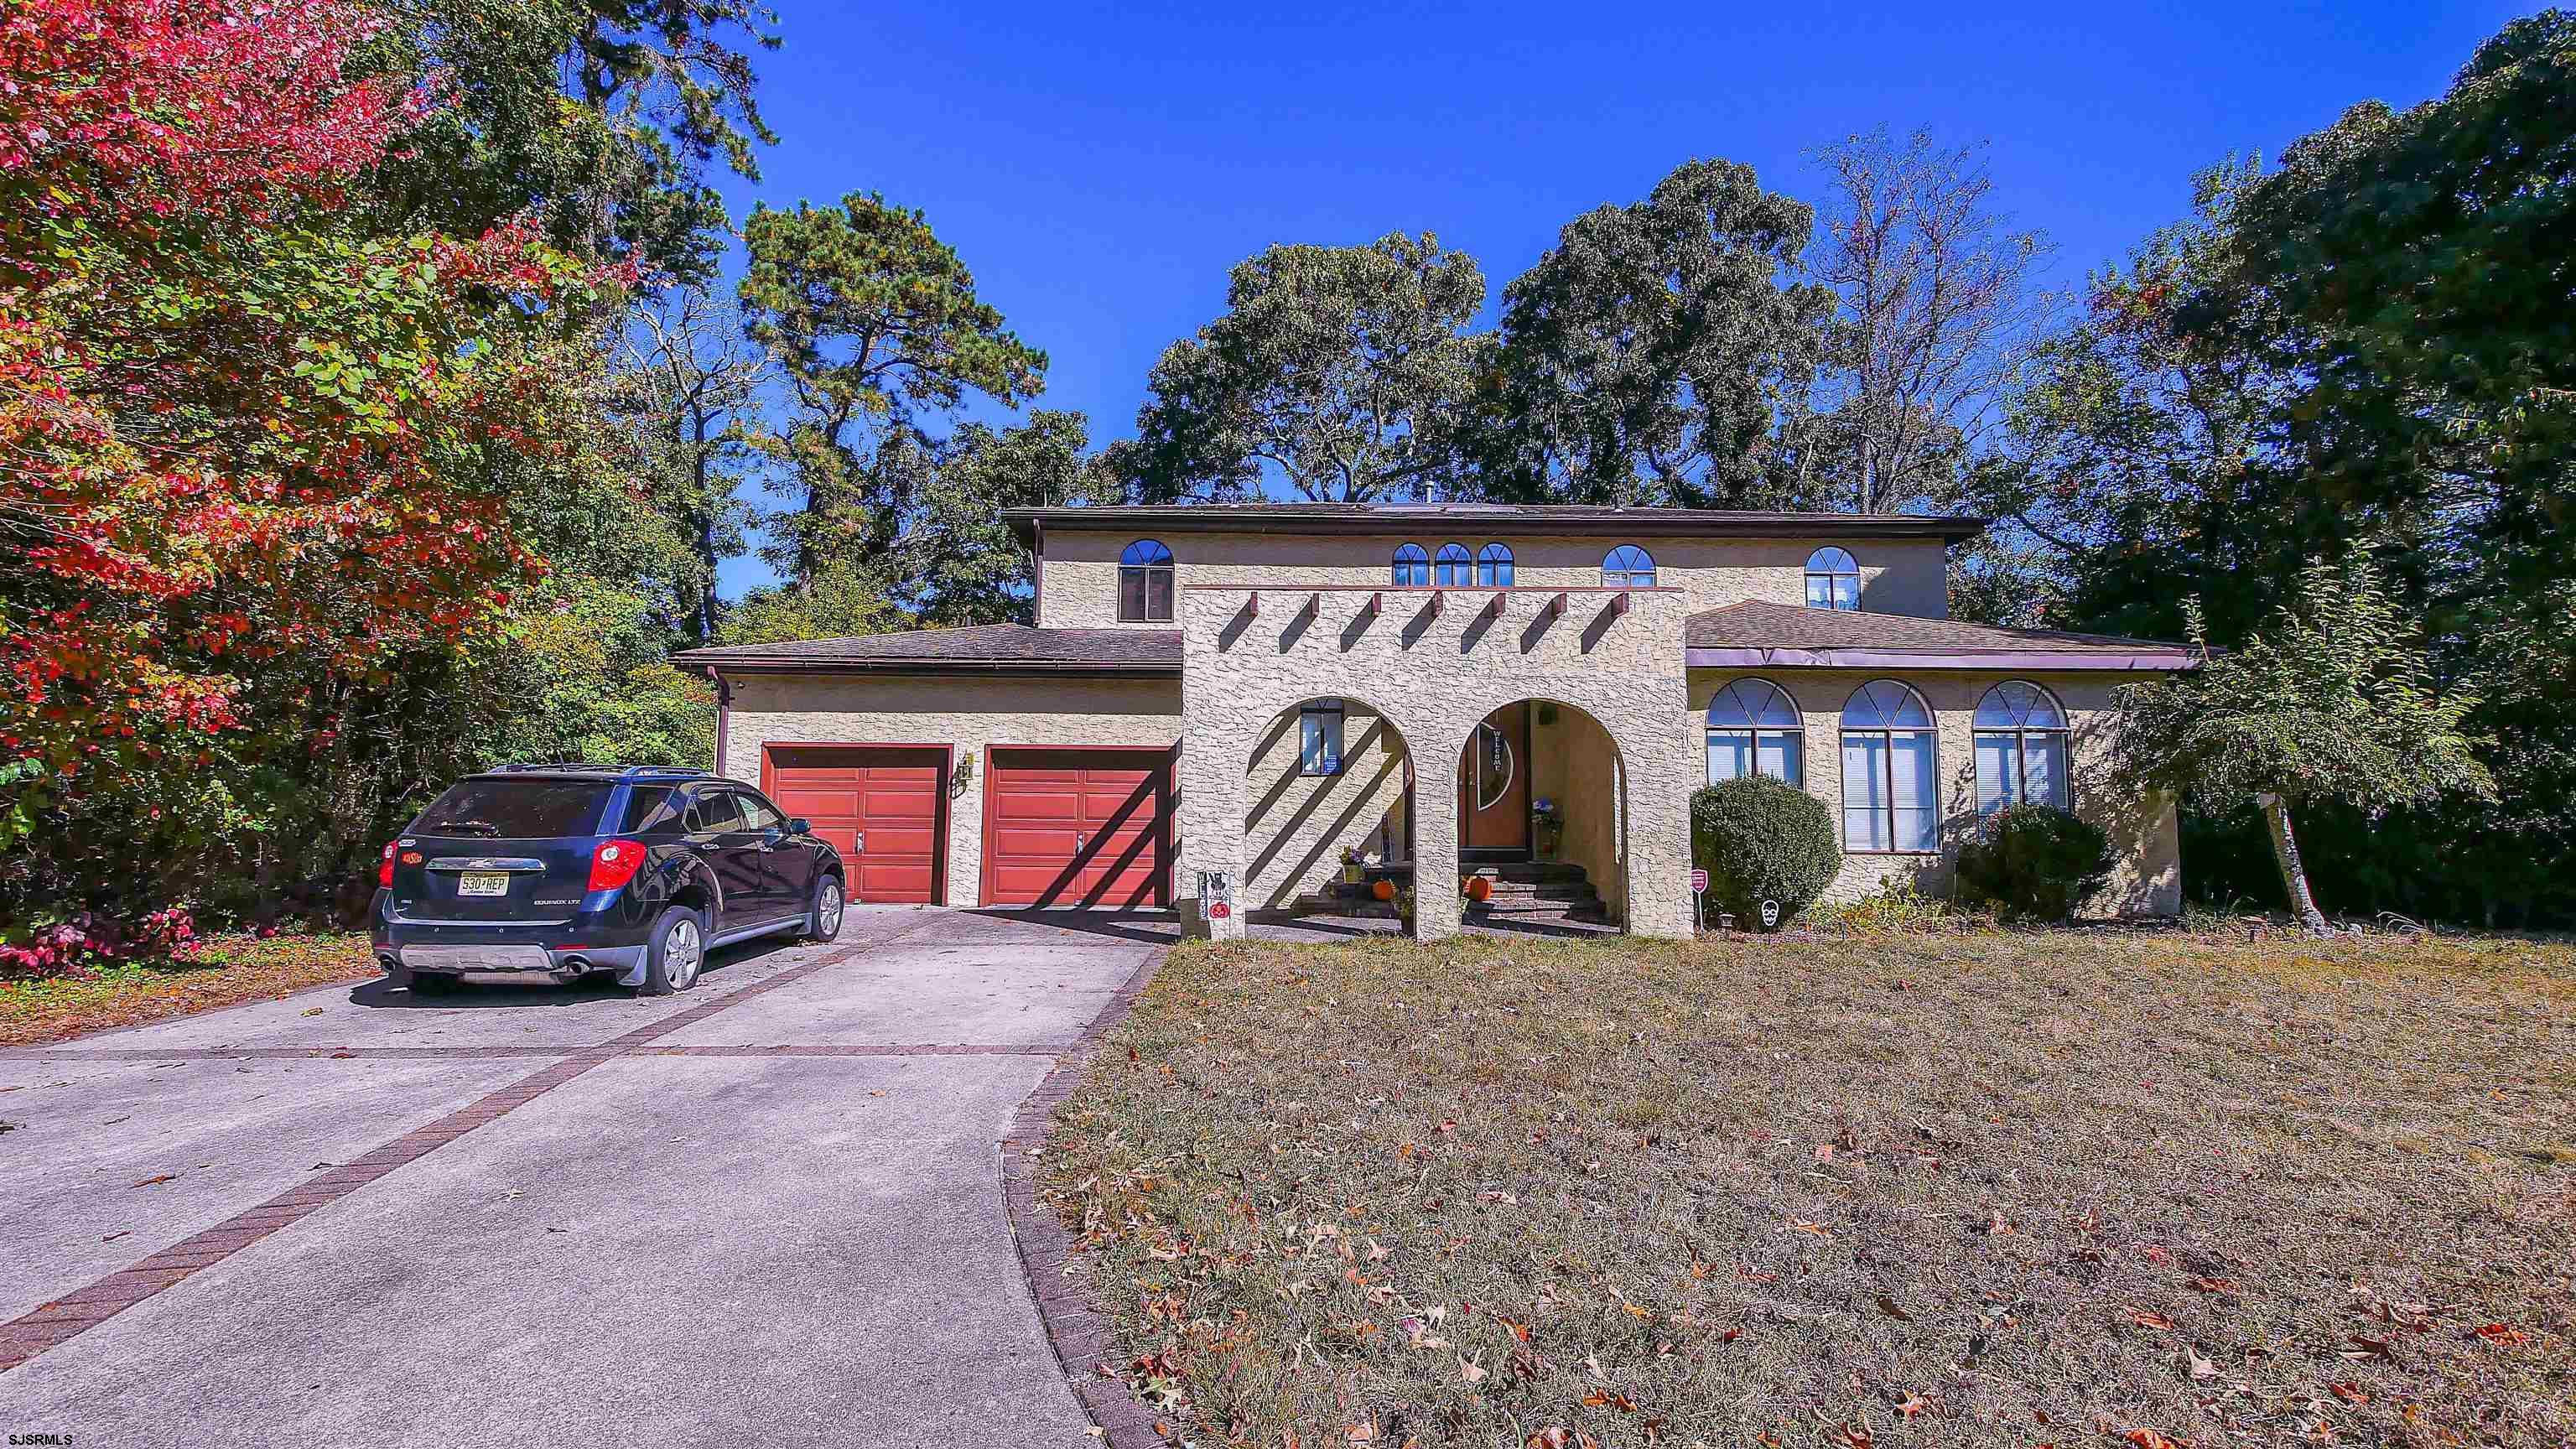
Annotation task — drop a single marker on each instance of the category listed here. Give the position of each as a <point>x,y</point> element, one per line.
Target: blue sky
<point>1100,167</point>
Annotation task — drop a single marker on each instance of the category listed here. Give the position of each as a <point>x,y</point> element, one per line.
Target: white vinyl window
<point>1754,729</point>
<point>1833,580</point>
<point>1890,775</point>
<point>1319,738</point>
<point>1628,567</point>
<point>2021,748</point>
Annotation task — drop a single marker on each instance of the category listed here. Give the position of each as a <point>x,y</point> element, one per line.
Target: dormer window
<point>1833,580</point>
<point>1145,583</point>
<point>1628,567</point>
<point>1412,567</point>
<point>1452,568</point>
<point>1493,567</point>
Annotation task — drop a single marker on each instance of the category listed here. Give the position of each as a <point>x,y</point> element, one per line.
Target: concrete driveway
<point>765,1212</point>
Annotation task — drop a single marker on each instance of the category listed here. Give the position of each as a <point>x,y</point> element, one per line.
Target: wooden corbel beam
<point>1376,602</point>
<point>1494,610</point>
<point>1619,605</point>
<point>1252,606</point>
<point>1556,607</point>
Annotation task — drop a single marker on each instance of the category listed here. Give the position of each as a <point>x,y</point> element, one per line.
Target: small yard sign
<point>1699,882</point>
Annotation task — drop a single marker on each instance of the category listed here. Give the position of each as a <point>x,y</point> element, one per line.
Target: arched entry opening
<point>1542,820</point>
<point>1329,783</point>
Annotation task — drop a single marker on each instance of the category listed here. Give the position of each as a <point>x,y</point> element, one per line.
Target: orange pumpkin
<point>1479,888</point>
<point>1384,889</point>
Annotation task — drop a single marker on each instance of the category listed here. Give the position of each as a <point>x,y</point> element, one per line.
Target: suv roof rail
<point>584,767</point>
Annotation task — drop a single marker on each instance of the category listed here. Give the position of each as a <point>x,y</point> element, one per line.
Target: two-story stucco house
<point>1217,701</point>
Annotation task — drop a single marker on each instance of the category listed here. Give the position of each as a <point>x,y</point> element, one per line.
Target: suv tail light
<point>385,872</point>
<point>614,863</point>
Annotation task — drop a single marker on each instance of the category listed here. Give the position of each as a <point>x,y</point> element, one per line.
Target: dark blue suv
<point>564,870</point>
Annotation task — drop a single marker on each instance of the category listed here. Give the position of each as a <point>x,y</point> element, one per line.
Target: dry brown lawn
<point>228,971</point>
<point>2000,1188</point>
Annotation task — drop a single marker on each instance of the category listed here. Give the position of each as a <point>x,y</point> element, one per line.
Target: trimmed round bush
<point>2034,863</point>
<point>1762,839</point>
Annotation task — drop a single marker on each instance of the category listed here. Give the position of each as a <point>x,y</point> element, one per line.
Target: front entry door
<point>1493,784</point>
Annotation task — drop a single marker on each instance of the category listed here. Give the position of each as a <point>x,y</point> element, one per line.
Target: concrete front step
<point>1525,870</point>
<point>1566,890</point>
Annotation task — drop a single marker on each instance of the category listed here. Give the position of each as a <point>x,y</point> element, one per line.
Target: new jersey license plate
<point>483,883</point>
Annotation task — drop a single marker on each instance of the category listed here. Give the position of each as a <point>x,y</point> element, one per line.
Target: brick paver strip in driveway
<point>910,955</point>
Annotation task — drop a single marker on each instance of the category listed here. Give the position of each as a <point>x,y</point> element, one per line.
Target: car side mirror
<point>800,826</point>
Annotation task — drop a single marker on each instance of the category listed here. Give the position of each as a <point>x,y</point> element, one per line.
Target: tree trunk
<point>2294,875</point>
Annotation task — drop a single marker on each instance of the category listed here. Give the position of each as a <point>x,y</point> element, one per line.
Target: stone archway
<point>1327,773</point>
<point>1542,805</point>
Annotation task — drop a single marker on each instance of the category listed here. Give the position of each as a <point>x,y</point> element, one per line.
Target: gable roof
<point>984,648</point>
<point>1762,635</point>
<point>1393,520</point>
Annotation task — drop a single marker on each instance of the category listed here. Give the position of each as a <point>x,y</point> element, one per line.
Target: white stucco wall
<point>1078,584</point>
<point>968,714</point>
<point>1434,673</point>
<point>1295,825</point>
<point>2147,878</point>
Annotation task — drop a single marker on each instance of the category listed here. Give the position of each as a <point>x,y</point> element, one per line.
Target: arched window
<point>1890,794</point>
<point>1145,583</point>
<point>1628,567</point>
<point>1833,580</point>
<point>1754,729</point>
<point>2021,747</point>
<point>1493,567</point>
<point>1412,567</point>
<point>1451,568</point>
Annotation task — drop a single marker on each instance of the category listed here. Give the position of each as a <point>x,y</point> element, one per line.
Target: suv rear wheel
<point>825,922</point>
<point>677,952</point>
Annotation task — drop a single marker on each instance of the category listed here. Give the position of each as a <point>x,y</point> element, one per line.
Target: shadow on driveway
<point>505,990</point>
<point>1154,928</point>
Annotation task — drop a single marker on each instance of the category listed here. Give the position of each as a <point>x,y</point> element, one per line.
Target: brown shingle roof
<point>1790,635</point>
<point>986,648</point>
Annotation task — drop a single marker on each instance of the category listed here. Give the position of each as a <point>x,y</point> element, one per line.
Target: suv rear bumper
<point>525,959</point>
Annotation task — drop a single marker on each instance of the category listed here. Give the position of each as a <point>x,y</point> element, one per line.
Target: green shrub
<point>2034,862</point>
<point>1761,839</point>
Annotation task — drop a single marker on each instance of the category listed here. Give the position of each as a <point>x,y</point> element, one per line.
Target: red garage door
<point>889,793</point>
<point>1070,827</point>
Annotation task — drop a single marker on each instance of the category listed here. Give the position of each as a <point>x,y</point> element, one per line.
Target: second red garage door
<point>889,793</point>
<point>1067,827</point>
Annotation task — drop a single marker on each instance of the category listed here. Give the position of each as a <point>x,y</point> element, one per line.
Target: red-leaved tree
<point>234,428</point>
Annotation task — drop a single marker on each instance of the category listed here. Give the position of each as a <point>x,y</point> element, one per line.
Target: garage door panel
<point>890,794</point>
<point>1079,828</point>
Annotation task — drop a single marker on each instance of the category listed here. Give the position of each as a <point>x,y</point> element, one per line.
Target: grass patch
<point>227,971</point>
<point>1998,1188</point>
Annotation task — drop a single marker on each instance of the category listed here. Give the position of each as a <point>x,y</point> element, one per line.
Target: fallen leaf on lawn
<point>2201,1368</point>
<point>2214,1285</point>
<point>1636,1312</point>
<point>1469,1370</point>
<point>312,1011</point>
<point>1550,1437</point>
<point>1519,1330</point>
<point>878,1093</point>
<point>1801,1225</point>
<point>2149,1439</point>
<point>2144,1319</point>
<point>164,1177</point>
<point>1909,1406</point>
<point>1825,1152</point>
<point>2349,1393</point>
<point>1609,1398</point>
<point>1889,1307</point>
<point>2499,1333</point>
<point>1362,1433</point>
<point>1377,1254</point>
<point>1853,1436</point>
<point>2367,1348</point>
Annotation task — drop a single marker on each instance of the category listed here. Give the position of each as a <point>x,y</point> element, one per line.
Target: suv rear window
<point>517,809</point>
<point>651,808</point>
